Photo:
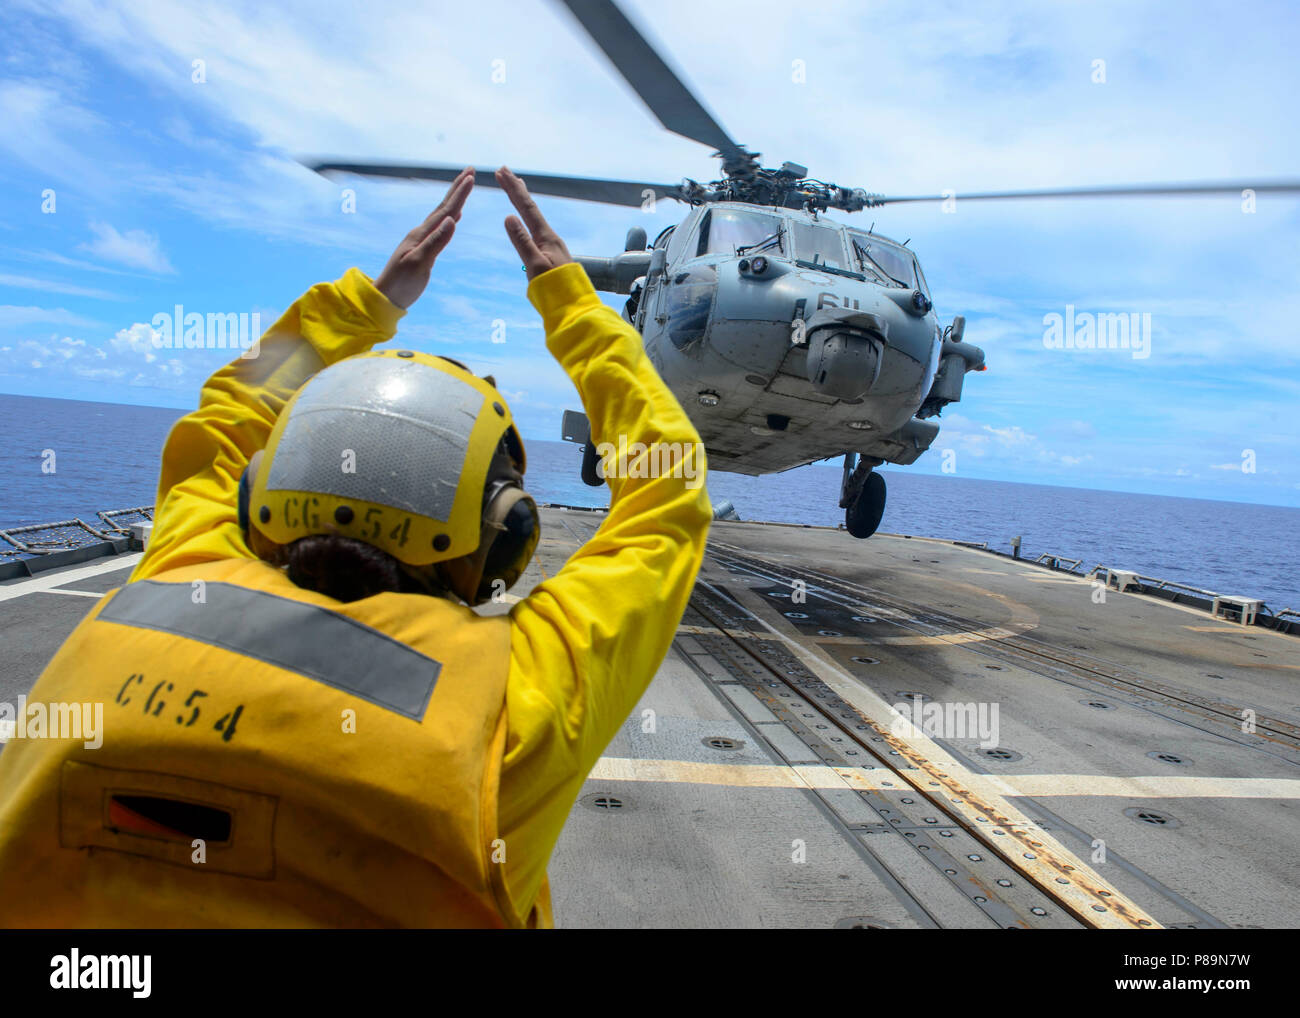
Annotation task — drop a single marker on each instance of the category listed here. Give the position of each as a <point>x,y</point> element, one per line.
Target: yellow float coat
<point>396,761</point>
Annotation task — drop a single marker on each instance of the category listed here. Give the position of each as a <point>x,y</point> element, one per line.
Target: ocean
<point>106,456</point>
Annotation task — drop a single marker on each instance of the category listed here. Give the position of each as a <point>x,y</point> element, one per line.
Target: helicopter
<point>788,338</point>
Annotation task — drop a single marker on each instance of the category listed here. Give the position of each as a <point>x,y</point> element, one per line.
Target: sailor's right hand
<point>538,245</point>
<point>407,273</point>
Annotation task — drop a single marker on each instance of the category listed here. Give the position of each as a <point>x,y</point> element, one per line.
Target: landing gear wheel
<point>862,517</point>
<point>590,467</point>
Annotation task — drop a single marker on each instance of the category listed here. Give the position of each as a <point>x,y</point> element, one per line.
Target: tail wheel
<point>590,464</point>
<point>862,517</point>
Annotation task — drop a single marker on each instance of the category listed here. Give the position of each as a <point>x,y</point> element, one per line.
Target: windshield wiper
<point>762,245</point>
<point>862,252</point>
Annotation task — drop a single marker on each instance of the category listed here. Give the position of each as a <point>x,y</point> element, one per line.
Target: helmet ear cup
<point>245,496</point>
<point>512,517</point>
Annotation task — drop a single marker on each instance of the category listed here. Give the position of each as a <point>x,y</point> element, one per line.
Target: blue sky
<point>170,191</point>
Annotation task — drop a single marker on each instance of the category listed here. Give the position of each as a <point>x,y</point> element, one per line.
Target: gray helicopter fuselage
<point>808,358</point>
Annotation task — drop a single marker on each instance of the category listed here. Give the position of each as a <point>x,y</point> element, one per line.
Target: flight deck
<point>904,733</point>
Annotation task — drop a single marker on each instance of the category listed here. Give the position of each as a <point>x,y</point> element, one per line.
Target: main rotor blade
<point>659,88</point>
<point>611,192</point>
<point>1118,191</point>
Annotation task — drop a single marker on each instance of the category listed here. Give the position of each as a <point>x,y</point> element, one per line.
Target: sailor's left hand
<point>407,272</point>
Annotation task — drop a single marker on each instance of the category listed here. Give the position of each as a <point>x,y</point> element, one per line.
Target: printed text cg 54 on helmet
<point>408,452</point>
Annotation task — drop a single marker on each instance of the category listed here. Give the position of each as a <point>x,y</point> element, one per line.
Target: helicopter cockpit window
<point>725,230</point>
<point>890,262</point>
<point>821,244</point>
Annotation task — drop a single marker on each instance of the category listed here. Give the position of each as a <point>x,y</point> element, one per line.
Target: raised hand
<point>539,247</point>
<point>407,272</point>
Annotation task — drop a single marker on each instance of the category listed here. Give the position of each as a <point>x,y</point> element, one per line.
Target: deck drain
<point>604,803</point>
<point>866,660</point>
<point>722,742</point>
<point>863,618</point>
<point>862,922</point>
<point>1098,704</point>
<point>795,615</point>
<point>913,694</point>
<point>1152,816</point>
<point>999,753</point>
<point>828,632</point>
<point>994,668</point>
<point>1172,758</point>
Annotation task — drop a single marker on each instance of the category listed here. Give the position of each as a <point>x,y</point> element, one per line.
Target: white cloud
<point>138,339</point>
<point>73,263</point>
<point>128,358</point>
<point>136,248</point>
<point>54,286</point>
<point>45,128</point>
<point>13,317</point>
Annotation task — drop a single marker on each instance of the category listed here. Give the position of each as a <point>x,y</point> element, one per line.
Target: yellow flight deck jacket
<point>272,757</point>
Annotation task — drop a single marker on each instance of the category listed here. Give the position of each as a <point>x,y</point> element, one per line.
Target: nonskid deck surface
<point>1078,762</point>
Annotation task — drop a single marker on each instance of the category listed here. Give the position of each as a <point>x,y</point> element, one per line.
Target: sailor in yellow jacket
<point>273,755</point>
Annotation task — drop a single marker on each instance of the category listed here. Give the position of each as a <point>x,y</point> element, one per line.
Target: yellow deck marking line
<point>1155,787</point>
<point>58,577</point>
<point>691,772</point>
<point>1255,665</point>
<point>971,636</point>
<point>982,800</point>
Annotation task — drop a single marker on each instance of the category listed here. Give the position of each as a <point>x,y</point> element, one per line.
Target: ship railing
<point>1158,584</point>
<point>57,542</point>
<point>1283,621</point>
<point>1056,562</point>
<point>38,539</point>
<point>110,516</point>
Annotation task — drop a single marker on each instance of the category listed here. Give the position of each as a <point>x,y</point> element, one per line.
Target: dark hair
<point>346,569</point>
